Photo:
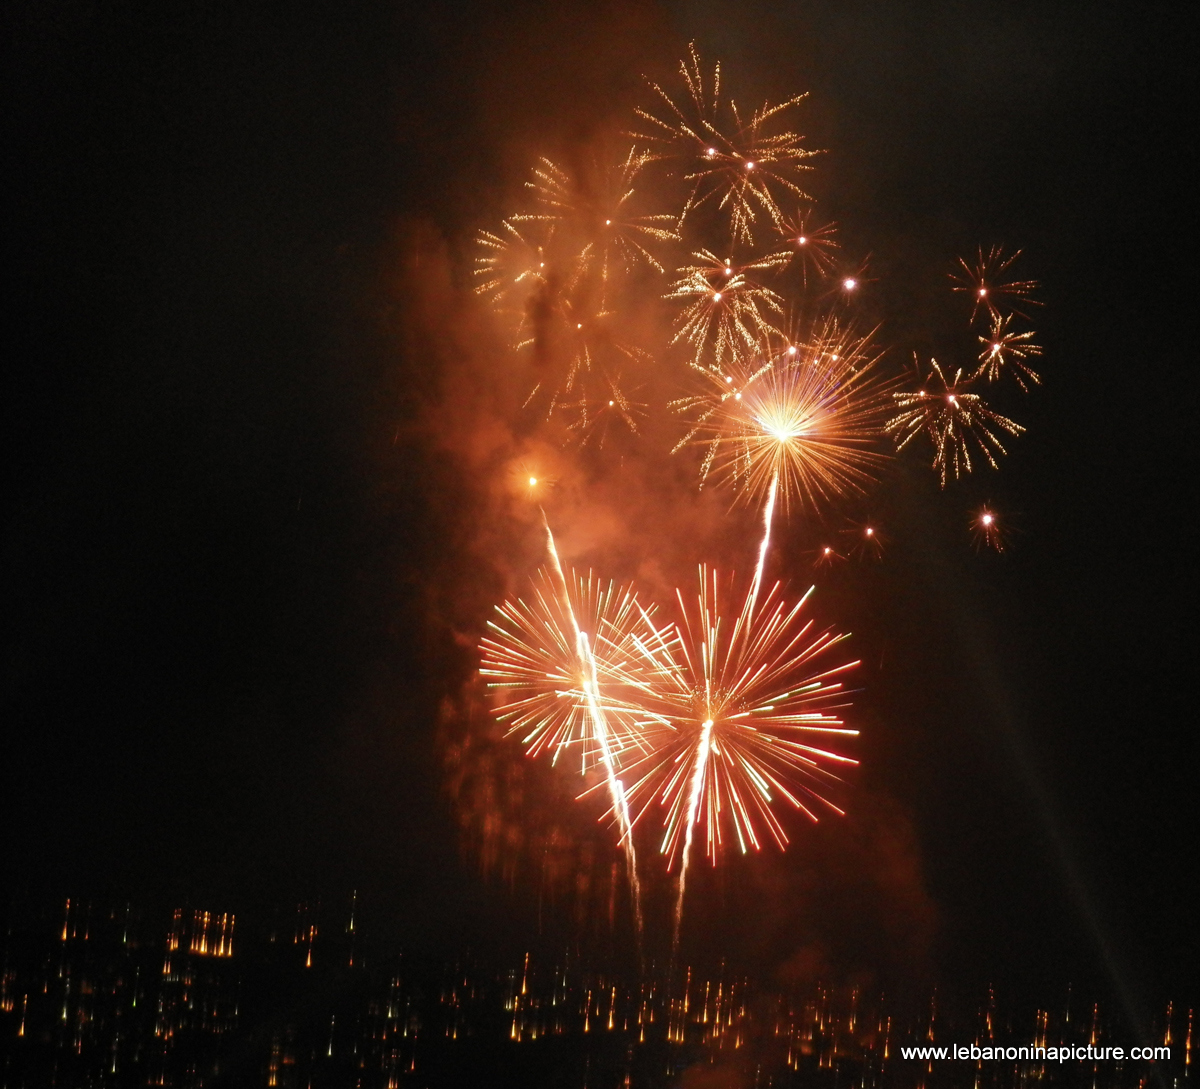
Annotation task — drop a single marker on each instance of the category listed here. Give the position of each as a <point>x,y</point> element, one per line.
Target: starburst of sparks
<point>510,271</point>
<point>1006,349</point>
<point>596,417</point>
<point>726,310</point>
<point>988,529</point>
<point>954,419</point>
<point>737,165</point>
<point>810,247</point>
<point>990,283</point>
<point>597,214</point>
<point>548,674</point>
<point>748,697</point>
<point>806,416</point>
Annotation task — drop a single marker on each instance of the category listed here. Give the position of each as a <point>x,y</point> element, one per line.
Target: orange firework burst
<point>726,309</point>
<point>1005,349</point>
<point>596,214</point>
<point>560,666</point>
<point>510,271</point>
<point>737,165</point>
<point>990,284</point>
<point>558,274</point>
<point>806,417</point>
<point>810,247</point>
<point>745,700</point>
<point>596,417</point>
<point>955,420</point>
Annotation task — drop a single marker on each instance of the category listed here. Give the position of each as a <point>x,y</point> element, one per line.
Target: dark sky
<point>235,563</point>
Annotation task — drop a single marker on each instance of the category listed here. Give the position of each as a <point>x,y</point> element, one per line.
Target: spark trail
<point>616,789</point>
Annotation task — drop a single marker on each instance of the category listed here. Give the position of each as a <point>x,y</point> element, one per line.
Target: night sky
<point>242,570</point>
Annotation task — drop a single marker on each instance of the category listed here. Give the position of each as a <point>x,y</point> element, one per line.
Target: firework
<point>510,271</point>
<point>805,416</point>
<point>725,309</point>
<point>987,529</point>
<point>596,417</point>
<point>736,165</point>
<point>866,540</point>
<point>826,556</point>
<point>810,247</point>
<point>547,652</point>
<point>989,283</point>
<point>1005,349</point>
<point>529,480</point>
<point>746,703</point>
<point>955,420</point>
<point>597,214</point>
<point>720,720</point>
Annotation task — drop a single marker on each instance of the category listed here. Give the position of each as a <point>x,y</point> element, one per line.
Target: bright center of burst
<point>532,481</point>
<point>982,292</point>
<point>611,403</point>
<point>716,296</point>
<point>987,519</point>
<point>870,532</point>
<point>802,240</point>
<point>849,283</point>
<point>749,166</point>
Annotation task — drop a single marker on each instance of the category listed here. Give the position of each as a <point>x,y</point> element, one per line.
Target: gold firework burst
<point>739,166</point>
<point>560,662</point>
<point>1006,349</point>
<point>806,417</point>
<point>726,311</point>
<point>954,419</point>
<point>990,284</point>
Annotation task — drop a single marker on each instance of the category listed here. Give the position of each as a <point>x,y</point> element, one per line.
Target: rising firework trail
<point>616,789</point>
<point>768,515</point>
<point>563,683</point>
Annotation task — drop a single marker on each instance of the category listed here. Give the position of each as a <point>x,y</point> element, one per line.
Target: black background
<point>228,565</point>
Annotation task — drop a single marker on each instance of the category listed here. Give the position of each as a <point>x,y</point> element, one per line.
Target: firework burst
<point>597,417</point>
<point>555,659</point>
<point>806,417</point>
<point>1004,349</point>
<point>987,529</point>
<point>510,271</point>
<point>736,165</point>
<point>955,420</point>
<point>597,214</point>
<point>810,247</point>
<point>726,311</point>
<point>747,700</point>
<point>990,284</point>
